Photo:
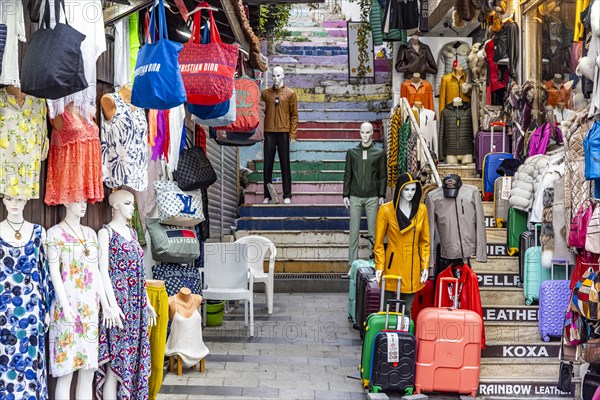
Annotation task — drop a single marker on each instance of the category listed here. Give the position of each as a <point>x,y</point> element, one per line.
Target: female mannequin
<point>185,339</point>
<point>124,355</point>
<point>24,278</point>
<point>73,259</point>
<point>404,221</point>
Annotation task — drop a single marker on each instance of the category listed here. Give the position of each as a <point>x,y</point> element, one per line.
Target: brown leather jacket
<point>282,117</point>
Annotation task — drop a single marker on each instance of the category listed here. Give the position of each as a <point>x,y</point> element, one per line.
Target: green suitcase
<point>517,224</point>
<point>376,323</point>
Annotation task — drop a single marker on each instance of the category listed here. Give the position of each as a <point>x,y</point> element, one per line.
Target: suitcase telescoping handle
<point>444,282</point>
<point>566,269</point>
<point>535,234</point>
<point>382,299</point>
<point>401,325</point>
<point>493,125</point>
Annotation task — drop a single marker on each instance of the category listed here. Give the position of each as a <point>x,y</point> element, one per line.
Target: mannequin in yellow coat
<point>404,220</point>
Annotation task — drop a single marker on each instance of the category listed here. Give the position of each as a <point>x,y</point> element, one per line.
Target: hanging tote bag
<point>157,81</point>
<point>176,207</point>
<point>208,69</point>
<point>194,170</point>
<point>247,100</point>
<point>172,244</point>
<point>592,237</point>
<point>63,73</point>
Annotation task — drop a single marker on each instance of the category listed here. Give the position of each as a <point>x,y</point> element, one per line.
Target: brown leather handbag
<point>591,354</point>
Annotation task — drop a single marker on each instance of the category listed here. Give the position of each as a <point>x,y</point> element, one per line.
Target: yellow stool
<point>201,366</point>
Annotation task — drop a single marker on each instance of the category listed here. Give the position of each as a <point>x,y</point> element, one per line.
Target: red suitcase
<point>448,348</point>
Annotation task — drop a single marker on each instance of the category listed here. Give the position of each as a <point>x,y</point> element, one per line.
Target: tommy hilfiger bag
<point>172,244</point>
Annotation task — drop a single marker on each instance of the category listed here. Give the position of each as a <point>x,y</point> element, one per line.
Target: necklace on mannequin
<point>18,235</point>
<point>86,251</point>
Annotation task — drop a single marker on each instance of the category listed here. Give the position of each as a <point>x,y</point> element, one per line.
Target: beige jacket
<point>282,117</point>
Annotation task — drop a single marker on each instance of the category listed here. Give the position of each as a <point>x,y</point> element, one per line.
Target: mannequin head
<point>560,105</point>
<point>122,203</point>
<point>408,192</point>
<point>457,102</point>
<point>278,76</point>
<point>76,209</point>
<point>418,105</point>
<point>414,39</point>
<point>14,207</point>
<point>558,78</point>
<point>416,77</point>
<point>366,134</point>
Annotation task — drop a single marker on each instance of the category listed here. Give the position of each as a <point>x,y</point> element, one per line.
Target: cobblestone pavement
<point>306,350</point>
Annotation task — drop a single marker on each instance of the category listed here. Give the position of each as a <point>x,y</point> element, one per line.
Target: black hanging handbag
<point>194,170</point>
<point>61,74</point>
<point>34,7</point>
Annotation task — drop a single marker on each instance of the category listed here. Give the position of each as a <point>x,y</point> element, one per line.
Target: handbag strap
<point>157,12</point>
<point>57,5</point>
<point>215,36</point>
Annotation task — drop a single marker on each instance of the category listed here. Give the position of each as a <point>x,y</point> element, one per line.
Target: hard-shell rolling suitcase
<point>372,298</point>
<point>532,274</point>
<point>394,357</point>
<point>554,300</point>
<point>517,224</point>
<point>352,286</point>
<point>589,386</point>
<point>526,240</point>
<point>483,144</point>
<point>363,276</point>
<point>448,362</point>
<point>376,323</point>
<point>491,162</point>
<point>501,204</point>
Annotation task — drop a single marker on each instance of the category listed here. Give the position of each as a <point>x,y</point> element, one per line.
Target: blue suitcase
<point>491,162</point>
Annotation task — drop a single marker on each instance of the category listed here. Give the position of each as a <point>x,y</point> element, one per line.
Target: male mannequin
<point>110,257</point>
<point>281,126</point>
<point>456,133</point>
<point>72,253</point>
<point>451,87</point>
<point>457,212</point>
<point>365,178</point>
<point>25,280</point>
<point>405,223</point>
<point>417,89</point>
<point>428,125</point>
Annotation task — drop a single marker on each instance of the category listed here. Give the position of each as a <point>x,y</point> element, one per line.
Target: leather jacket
<point>410,61</point>
<point>281,110</point>
<point>506,44</point>
<point>365,178</point>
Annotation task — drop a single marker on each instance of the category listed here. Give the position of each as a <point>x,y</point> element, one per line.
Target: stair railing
<point>407,110</point>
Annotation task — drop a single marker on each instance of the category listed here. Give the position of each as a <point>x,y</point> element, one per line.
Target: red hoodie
<point>468,292</point>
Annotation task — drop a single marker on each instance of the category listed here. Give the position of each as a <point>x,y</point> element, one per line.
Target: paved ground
<point>306,350</point>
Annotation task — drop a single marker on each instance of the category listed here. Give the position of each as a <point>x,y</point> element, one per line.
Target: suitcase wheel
<point>546,338</point>
<point>408,391</point>
<point>474,393</point>
<point>375,389</point>
<point>499,223</point>
<point>529,302</point>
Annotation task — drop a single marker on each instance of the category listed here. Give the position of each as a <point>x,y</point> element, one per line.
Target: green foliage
<point>273,20</point>
<point>362,36</point>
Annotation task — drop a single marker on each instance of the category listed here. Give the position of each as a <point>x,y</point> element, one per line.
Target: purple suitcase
<point>553,302</point>
<point>483,146</point>
<point>371,305</point>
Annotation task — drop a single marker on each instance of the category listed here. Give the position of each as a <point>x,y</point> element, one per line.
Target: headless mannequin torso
<point>71,224</point>
<point>463,158</point>
<point>184,303</point>
<point>108,103</point>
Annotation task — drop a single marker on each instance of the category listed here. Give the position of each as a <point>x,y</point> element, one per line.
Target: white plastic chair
<point>227,276</point>
<point>257,250</point>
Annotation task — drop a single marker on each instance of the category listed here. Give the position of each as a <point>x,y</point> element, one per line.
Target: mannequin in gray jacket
<point>456,211</point>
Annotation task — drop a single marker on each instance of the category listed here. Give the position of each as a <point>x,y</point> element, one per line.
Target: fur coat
<point>525,182</point>
<point>448,54</point>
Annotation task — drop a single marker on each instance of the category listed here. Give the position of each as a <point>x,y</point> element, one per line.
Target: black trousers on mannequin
<point>279,141</point>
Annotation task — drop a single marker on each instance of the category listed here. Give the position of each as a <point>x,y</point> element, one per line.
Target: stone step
<point>306,81</point>
<point>313,198</point>
<point>309,64</point>
<point>335,23</point>
<point>300,188</point>
<point>337,89</point>
<point>464,171</point>
<point>345,105</point>
<point>516,368</point>
<point>323,51</point>
<point>302,176</point>
<point>529,386</point>
<point>325,165</point>
<point>341,114</point>
<point>333,44</point>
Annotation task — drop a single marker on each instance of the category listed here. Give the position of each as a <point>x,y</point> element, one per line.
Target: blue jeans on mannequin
<point>371,205</point>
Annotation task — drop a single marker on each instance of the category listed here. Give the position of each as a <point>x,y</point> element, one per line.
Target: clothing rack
<point>406,108</point>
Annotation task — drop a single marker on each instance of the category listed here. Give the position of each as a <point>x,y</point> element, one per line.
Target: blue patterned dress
<point>25,293</point>
<point>127,349</point>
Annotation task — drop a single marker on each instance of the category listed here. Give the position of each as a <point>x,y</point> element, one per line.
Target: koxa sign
<point>532,390</point>
<point>510,314</point>
<point>521,351</point>
<point>486,280</point>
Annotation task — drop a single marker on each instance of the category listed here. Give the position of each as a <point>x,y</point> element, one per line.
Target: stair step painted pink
<point>301,187</point>
<point>334,23</point>
<point>299,198</point>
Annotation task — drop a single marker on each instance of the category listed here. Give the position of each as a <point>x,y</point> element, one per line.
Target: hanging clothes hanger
<point>203,6</point>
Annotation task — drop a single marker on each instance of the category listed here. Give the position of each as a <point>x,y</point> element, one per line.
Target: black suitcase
<point>590,383</point>
<point>526,240</point>
<point>397,375</point>
<point>363,275</point>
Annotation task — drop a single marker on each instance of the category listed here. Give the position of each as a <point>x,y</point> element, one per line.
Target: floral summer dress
<point>74,347</point>
<point>127,349</point>
<point>23,145</point>
<point>25,292</point>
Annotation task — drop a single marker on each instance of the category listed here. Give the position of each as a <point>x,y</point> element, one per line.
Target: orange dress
<point>74,163</point>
